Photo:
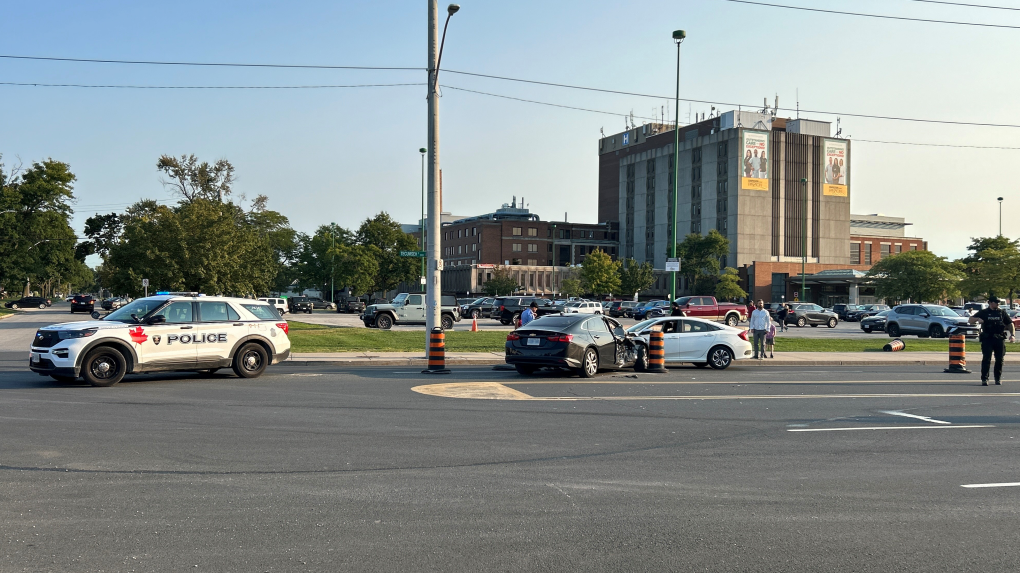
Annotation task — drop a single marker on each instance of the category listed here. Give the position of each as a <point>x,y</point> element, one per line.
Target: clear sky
<point>341,155</point>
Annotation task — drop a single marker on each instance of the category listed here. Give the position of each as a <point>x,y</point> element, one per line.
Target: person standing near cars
<point>529,313</point>
<point>994,323</point>
<point>781,317</point>
<point>759,324</point>
<point>676,310</point>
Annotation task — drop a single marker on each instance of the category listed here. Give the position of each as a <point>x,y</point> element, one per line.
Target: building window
<point>474,247</point>
<point>913,247</point>
<point>867,253</point>
<point>532,248</point>
<point>517,231</point>
<point>515,261</point>
<point>459,233</point>
<point>550,247</point>
<point>533,263</point>
<point>532,232</point>
<point>474,231</point>
<point>778,287</point>
<point>885,251</point>
<point>855,253</point>
<point>460,249</point>
<point>629,206</point>
<point>516,248</point>
<point>899,248</point>
<point>649,210</point>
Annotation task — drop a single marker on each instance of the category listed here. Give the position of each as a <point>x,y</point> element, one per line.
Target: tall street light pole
<point>433,286</point>
<point>803,241</point>
<point>678,37</point>
<point>1000,216</point>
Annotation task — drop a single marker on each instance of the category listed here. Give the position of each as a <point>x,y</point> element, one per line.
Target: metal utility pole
<point>678,37</point>
<point>423,151</point>
<point>803,242</point>
<point>332,262</point>
<point>1000,216</point>
<point>433,286</point>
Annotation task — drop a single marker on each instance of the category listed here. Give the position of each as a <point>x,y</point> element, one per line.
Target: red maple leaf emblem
<point>138,335</point>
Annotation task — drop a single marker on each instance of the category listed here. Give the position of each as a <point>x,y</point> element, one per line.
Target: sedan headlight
<point>68,334</point>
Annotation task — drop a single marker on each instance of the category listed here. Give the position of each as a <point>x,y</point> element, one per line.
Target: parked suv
<point>582,307</point>
<point>926,320</point>
<point>843,310</point>
<point>319,303</point>
<point>351,305</point>
<point>479,308</point>
<point>408,308</point>
<point>297,304</point>
<point>865,311</point>
<point>29,302</point>
<point>508,309</point>
<point>805,313</point>
<point>280,304</point>
<point>651,309</point>
<point>619,308</point>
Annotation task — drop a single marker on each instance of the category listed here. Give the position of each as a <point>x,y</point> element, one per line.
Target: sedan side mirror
<point>925,315</point>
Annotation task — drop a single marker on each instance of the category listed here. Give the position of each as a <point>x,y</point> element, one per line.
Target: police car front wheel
<point>104,366</point>
<point>250,361</point>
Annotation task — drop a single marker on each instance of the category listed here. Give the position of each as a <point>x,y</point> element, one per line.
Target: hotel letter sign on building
<point>836,166</point>
<point>754,166</point>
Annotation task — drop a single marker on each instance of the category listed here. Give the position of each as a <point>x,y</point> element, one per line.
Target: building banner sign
<point>754,151</point>
<point>836,166</point>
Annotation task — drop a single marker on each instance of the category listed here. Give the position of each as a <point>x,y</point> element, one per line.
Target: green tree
<point>571,287</point>
<point>501,283</point>
<point>386,235</point>
<point>635,277</point>
<point>699,257</point>
<point>600,274</point>
<point>193,180</point>
<point>37,243</point>
<point>919,276</point>
<point>728,287</point>
<point>992,268</point>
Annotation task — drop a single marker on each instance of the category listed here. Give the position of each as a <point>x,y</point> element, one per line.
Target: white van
<point>279,303</point>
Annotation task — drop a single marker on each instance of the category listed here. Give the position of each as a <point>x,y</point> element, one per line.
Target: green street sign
<point>412,253</point>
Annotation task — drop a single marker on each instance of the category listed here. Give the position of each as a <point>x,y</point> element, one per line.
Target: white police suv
<point>167,332</point>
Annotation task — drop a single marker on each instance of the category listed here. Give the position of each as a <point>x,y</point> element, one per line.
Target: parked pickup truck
<point>351,305</point>
<point>708,308</point>
<point>409,309</point>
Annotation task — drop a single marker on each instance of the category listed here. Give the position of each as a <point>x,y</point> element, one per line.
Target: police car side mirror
<point>158,319</point>
<point>95,314</point>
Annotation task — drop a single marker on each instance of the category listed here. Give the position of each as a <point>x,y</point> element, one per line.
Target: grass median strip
<point>317,338</point>
<point>306,337</point>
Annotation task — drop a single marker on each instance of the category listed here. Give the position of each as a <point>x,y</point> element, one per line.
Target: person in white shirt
<point>755,165</point>
<point>759,325</point>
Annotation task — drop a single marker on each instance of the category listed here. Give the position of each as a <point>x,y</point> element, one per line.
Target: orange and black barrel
<point>656,352</point>
<point>894,346</point>
<point>957,354</point>
<point>437,353</point>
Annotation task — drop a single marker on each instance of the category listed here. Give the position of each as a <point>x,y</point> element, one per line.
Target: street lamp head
<point>803,180</point>
<point>452,9</point>
<point>423,150</point>
<point>679,35</point>
<point>1000,199</point>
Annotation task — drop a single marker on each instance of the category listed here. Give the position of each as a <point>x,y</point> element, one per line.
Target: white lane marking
<point>973,485</point>
<point>886,428</point>
<point>915,416</point>
<point>305,374</point>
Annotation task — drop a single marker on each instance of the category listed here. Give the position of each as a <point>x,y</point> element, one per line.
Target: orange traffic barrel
<point>957,355</point>
<point>656,352</point>
<point>895,346</point>
<point>437,352</point>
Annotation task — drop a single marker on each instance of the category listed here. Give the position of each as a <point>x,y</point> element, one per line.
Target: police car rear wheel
<point>250,361</point>
<point>104,366</point>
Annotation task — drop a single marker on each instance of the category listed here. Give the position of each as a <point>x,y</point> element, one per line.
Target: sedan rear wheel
<point>14,305</point>
<point>590,365</point>
<point>833,322</point>
<point>42,306</point>
<point>720,358</point>
<point>801,322</point>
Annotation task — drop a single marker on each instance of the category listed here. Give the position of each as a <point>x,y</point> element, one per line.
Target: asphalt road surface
<point>386,469</point>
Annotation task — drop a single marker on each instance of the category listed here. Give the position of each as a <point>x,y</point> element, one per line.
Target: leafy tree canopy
<point>919,276</point>
<point>635,277</point>
<point>600,274</point>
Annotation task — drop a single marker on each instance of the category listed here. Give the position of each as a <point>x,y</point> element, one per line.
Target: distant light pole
<point>803,242</point>
<point>678,37</point>
<point>1000,216</point>
<point>421,221</point>
<point>332,262</point>
<point>433,287</point>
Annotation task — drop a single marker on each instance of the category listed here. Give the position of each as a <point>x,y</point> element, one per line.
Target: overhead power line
<point>883,16</point>
<point>137,87</point>
<point>210,64</point>
<point>475,74</point>
<point>964,4</point>
<point>938,144</point>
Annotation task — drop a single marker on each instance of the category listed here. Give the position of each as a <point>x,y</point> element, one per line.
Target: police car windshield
<point>139,308</point>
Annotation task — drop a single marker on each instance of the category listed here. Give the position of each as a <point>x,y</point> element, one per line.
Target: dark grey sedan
<point>874,322</point>
<point>583,343</point>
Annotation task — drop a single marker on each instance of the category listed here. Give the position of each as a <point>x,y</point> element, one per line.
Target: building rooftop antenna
<point>798,103</point>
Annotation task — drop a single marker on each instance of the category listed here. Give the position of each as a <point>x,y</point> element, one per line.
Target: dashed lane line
<point>889,428</point>
<point>979,485</point>
<point>915,416</point>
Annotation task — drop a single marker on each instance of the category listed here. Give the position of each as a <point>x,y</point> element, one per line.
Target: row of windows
<point>459,249</point>
<point>532,247</point>
<point>885,250</point>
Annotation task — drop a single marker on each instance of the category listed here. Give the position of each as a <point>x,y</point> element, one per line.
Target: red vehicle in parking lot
<point>708,308</point>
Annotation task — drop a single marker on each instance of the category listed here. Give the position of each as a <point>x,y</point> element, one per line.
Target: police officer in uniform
<point>995,322</point>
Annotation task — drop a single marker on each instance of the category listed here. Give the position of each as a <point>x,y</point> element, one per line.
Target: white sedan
<point>696,341</point>
<point>582,307</point>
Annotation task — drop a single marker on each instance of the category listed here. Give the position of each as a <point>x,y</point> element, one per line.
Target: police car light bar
<point>179,293</point>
